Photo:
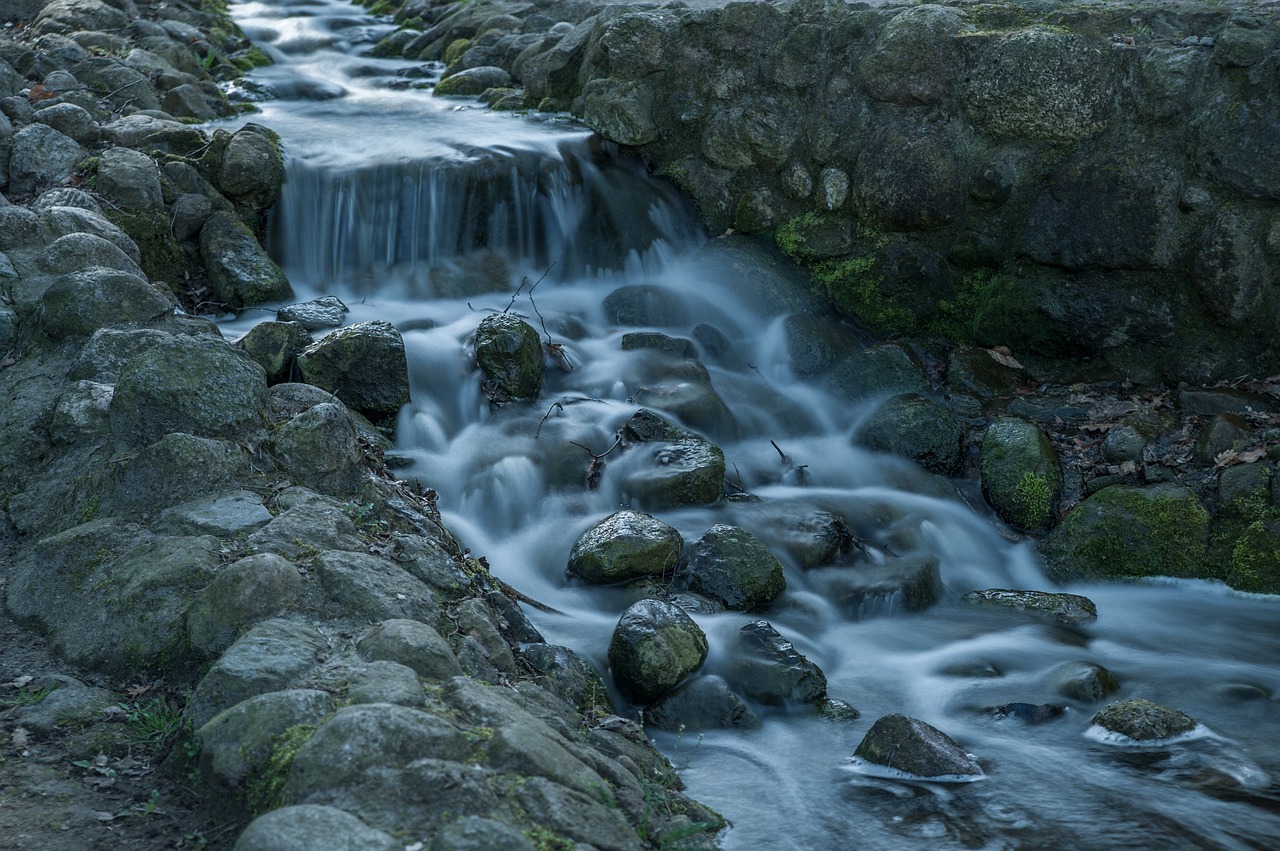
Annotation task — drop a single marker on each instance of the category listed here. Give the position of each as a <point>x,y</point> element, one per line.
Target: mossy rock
<point>916,427</point>
<point>1144,721</point>
<point>625,545</point>
<point>78,304</point>
<point>1021,476</point>
<point>654,647</point>
<point>1128,531</point>
<point>363,364</point>
<point>509,352</point>
<point>733,567</point>
<point>240,272</point>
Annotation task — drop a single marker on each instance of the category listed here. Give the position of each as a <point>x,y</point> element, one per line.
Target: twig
<point>790,465</point>
<point>561,405</point>
<point>595,471</point>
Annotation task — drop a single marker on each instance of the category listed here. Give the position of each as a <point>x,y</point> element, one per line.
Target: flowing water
<point>429,213</point>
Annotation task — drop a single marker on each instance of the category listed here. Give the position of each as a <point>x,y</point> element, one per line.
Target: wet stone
<point>675,346</point>
<point>768,668</point>
<point>654,647</point>
<point>909,583</point>
<point>1069,609</point>
<point>1144,721</point>
<point>625,545</point>
<point>1030,713</point>
<point>1085,682</point>
<point>914,747</point>
<point>733,567</point>
<point>325,312</point>
<point>705,703</point>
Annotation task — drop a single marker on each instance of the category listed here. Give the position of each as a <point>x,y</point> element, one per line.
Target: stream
<point>431,212</point>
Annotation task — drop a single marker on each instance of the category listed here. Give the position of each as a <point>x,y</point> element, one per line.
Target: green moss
<point>1034,496</point>
<point>162,257</point>
<point>992,307</point>
<point>1255,560</point>
<point>545,840</point>
<point>792,238</point>
<point>858,289</point>
<point>264,793</point>
<point>454,51</point>
<point>252,58</point>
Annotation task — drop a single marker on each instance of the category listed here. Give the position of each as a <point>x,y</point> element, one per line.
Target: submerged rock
<point>509,353</point>
<point>670,467</point>
<point>1144,721</point>
<point>768,668</point>
<point>1085,682</point>
<point>914,747</point>
<point>910,583</point>
<point>734,568</point>
<point>1031,713</point>
<point>625,545</point>
<point>473,81</point>
<point>655,646</point>
<point>1070,609</point>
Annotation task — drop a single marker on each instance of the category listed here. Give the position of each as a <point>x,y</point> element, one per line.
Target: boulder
<point>78,304</point>
<point>640,305</point>
<point>914,61</point>
<point>363,365</point>
<point>325,312</point>
<point>473,81</point>
<point>677,347</point>
<point>1067,609</point>
<point>621,111</point>
<point>198,385</point>
<point>909,583</point>
<point>71,120</point>
<point>79,252</point>
<point>385,682</point>
<point>1028,713</point>
<point>275,347</point>
<point>1128,439</point>
<point>734,568</point>
<point>1225,432</point>
<point>130,180</point>
<point>413,644</point>
<point>625,545</point>
<point>768,668</point>
<point>655,646</point>
<point>473,833</point>
<point>243,594</point>
<point>319,449</point>
<point>66,704</point>
<point>181,466</point>
<point>670,466</point>
<point>237,744</point>
<point>41,157</point>
<point>365,586</point>
<point>915,748</point>
<point>703,703</point>
<point>812,538</point>
<point>1021,476</point>
<point>240,272</point>
<point>309,826</point>
<point>887,369</point>
<point>252,169</point>
<point>916,427</point>
<point>57,221</point>
<point>815,345</point>
<point>1084,681</point>
<point>566,674</point>
<point>1124,530</point>
<point>1143,720</point>
<point>509,353</point>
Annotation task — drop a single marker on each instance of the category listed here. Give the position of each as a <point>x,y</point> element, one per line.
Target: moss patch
<point>265,791</point>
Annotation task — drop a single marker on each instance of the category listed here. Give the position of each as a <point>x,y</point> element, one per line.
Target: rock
<point>309,826</point>
<point>78,304</point>
<point>1225,432</point>
<point>509,353</point>
<point>244,593</point>
<point>197,385</point>
<point>704,703</point>
<point>577,815</point>
<point>1229,269</point>
<point>909,583</point>
<point>309,523</point>
<point>413,644</point>
<point>1068,609</point>
<point>1144,721</point>
<point>113,599</point>
<point>473,81</point>
<point>732,567</point>
<point>325,312</point>
<point>180,466</point>
<point>153,135</point>
<point>1029,713</point>
<point>655,646</point>
<point>67,704</point>
<point>1123,530</point>
<point>639,305</point>
<point>363,364</point>
<point>1085,682</point>
<point>884,370</point>
<point>130,179</point>
<point>223,516</point>
<point>266,658</point>
<point>60,221</point>
<point>621,111</point>
<point>693,402</point>
<point>252,169</point>
<point>385,682</point>
<point>814,345</point>
<point>1021,476</point>
<point>915,748</point>
<point>677,347</point>
<point>240,272</point>
<point>670,467</point>
<point>473,833</point>
<point>82,413</point>
<point>1128,439</point>
<point>916,427</point>
<point>365,586</point>
<point>768,668</point>
<point>914,61</point>
<point>190,212</point>
<point>41,157</point>
<point>62,16</point>
<point>237,744</point>
<point>275,347</point>
<point>566,674</point>
<point>71,120</point>
<point>79,252</point>
<point>319,449</point>
<point>625,545</point>
<point>810,538</point>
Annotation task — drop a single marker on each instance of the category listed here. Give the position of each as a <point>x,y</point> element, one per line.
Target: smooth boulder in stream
<point>733,567</point>
<point>1143,720</point>
<point>916,748</point>
<point>509,353</point>
<point>655,646</point>
<point>768,668</point>
<point>1068,609</point>
<point>625,545</point>
<point>363,365</point>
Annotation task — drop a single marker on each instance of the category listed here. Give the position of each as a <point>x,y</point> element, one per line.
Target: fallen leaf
<point>137,690</point>
<point>20,681</point>
<point>1225,459</point>
<point>21,737</point>
<point>103,815</point>
<point>1251,455</point>
<point>1004,356</point>
<point>39,93</point>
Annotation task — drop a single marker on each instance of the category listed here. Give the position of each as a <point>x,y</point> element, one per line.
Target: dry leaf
<point>39,93</point>
<point>137,690</point>
<point>1004,356</point>
<point>103,815</point>
<point>21,737</point>
<point>20,681</point>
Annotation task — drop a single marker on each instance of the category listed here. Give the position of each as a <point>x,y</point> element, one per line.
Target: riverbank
<point>218,587</point>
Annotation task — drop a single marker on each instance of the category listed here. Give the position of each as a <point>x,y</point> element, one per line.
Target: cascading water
<point>430,214</point>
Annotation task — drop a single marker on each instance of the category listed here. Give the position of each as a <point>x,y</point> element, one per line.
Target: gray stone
<point>236,745</point>
<point>655,646</point>
<point>252,167</point>
<point>734,568</point>
<point>71,120</point>
<point>79,252</point>
<point>566,674</point>
<point>62,16</point>
<point>266,658</point>
<point>914,60</point>
<point>1084,681</point>
<point>768,668</point>
<point>243,594</point>
<point>1225,432</point>
<point>224,516</point>
<point>678,347</point>
<point>908,583</point>
<point>643,304</point>
<point>509,353</point>
<point>385,682</point>
<point>578,816</point>
<point>240,272</point>
<point>473,833</point>
<point>308,827</point>
<point>1229,269</point>
<point>153,135</point>
<point>181,466</point>
<point>130,179</point>
<point>625,545</point>
<point>911,425</point>
<point>190,212</point>
<point>365,586</point>
<point>473,81</point>
<point>319,449</point>
<point>67,704</point>
<point>201,386</point>
<point>704,703</point>
<point>1144,721</point>
<point>621,111</point>
<point>916,748</point>
<point>670,467</point>
<point>363,364</point>
<point>41,157</point>
<point>413,644</point>
<point>82,413</point>
<point>1068,609</point>
<point>815,345</point>
<point>325,312</point>
<point>275,347</point>
<point>308,524</point>
<point>80,303</point>
<point>60,221</point>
